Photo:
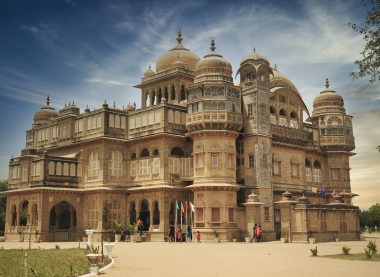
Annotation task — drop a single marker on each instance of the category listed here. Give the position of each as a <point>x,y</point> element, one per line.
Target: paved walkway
<point>230,259</point>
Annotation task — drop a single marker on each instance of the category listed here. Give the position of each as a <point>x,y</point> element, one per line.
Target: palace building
<point>243,154</point>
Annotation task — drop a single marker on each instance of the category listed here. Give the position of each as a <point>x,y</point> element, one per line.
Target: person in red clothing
<point>259,232</point>
<point>198,237</point>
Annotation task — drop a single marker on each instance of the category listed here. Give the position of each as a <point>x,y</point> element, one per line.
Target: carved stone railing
<point>290,135</point>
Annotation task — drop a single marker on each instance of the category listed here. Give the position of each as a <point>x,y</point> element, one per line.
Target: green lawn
<point>356,257</point>
<point>47,263</point>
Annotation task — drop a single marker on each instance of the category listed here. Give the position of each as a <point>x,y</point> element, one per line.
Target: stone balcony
<point>214,119</point>
<point>337,142</point>
<point>290,135</point>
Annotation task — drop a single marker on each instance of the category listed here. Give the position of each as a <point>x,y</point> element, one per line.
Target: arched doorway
<point>156,213</point>
<point>24,212</point>
<point>132,213</point>
<point>145,214</point>
<point>62,222</point>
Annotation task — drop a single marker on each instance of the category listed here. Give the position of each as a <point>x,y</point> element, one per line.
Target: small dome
<point>149,72</point>
<point>254,57</point>
<point>188,58</point>
<point>213,64</point>
<point>278,79</point>
<point>45,114</point>
<point>328,97</point>
<point>71,108</point>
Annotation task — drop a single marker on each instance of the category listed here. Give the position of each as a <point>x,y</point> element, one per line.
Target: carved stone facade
<point>242,154</point>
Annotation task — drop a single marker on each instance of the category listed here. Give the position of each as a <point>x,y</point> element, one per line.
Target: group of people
<point>257,233</point>
<point>179,236</point>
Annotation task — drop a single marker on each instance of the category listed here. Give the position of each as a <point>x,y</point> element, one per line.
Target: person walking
<point>254,233</point>
<point>198,237</point>
<point>171,233</point>
<point>179,234</point>
<point>259,233</point>
<point>189,234</point>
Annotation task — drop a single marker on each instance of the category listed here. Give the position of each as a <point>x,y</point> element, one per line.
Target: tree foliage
<point>371,217</point>
<point>369,65</point>
<point>3,204</point>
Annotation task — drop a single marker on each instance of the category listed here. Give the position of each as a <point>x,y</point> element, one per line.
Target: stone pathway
<point>229,259</point>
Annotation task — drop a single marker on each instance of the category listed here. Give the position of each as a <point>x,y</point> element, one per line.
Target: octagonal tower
<point>213,121</point>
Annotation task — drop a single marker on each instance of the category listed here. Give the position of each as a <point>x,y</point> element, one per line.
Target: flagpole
<point>175,222</point>
<point>181,215</point>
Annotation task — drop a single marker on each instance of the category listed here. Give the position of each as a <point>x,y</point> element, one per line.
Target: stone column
<point>170,93</point>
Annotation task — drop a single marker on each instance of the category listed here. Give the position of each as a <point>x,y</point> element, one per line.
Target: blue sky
<point>89,51</point>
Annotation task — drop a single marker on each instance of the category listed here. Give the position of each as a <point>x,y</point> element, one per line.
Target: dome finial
<point>275,66</point>
<point>48,100</point>
<point>212,45</point>
<point>254,50</point>
<point>327,84</point>
<point>179,37</point>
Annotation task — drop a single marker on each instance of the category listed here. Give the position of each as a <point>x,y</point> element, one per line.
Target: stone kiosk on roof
<point>243,154</point>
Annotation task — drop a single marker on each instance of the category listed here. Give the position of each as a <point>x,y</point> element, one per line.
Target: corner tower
<point>256,145</point>
<point>335,137</point>
<point>213,121</point>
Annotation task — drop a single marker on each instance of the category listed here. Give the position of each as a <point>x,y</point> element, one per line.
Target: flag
<point>314,189</point>
<point>333,193</point>
<point>176,205</point>
<point>182,209</point>
<point>187,206</point>
<point>192,207</point>
<point>323,191</point>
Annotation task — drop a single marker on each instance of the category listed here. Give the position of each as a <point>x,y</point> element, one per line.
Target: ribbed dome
<point>328,98</point>
<point>149,72</point>
<point>45,114</point>
<point>188,58</point>
<point>254,57</point>
<point>278,79</point>
<point>213,64</point>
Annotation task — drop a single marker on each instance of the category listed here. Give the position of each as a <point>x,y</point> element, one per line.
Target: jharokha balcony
<point>47,170</point>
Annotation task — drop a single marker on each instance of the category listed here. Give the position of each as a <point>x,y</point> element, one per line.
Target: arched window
<point>293,115</point>
<point>308,175</point>
<point>14,216</point>
<point>58,170</point>
<point>317,164</point>
<point>51,168</point>
<point>144,153</point>
<point>156,214</point>
<point>272,110</point>
<point>93,165</point>
<point>293,120</point>
<point>24,214</point>
<point>116,163</point>
<point>133,156</point>
<point>282,112</point>
<point>156,153</point>
<point>317,172</point>
<point>177,151</point>
<point>132,213</point>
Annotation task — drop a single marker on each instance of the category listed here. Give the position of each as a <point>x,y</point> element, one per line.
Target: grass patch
<point>354,257</point>
<point>45,262</point>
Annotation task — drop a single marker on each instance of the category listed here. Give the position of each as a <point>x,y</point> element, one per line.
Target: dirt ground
<point>230,259</point>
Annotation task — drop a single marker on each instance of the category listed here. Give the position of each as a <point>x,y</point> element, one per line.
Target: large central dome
<point>188,58</point>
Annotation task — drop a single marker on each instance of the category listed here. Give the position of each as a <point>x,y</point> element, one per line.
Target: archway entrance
<point>62,222</point>
<point>145,214</point>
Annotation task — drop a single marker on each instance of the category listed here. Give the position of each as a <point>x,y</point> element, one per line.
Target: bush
<point>57,246</point>
<point>368,253</point>
<point>314,251</point>
<point>346,250</point>
<point>117,227</point>
<point>372,246</point>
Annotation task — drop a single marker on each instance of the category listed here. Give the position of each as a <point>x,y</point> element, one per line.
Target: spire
<point>212,45</point>
<point>48,100</point>
<point>275,67</point>
<point>254,50</point>
<point>327,84</point>
<point>179,37</point>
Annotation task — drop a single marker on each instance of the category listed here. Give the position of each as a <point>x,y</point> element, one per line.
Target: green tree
<point>3,204</point>
<point>369,65</point>
<point>371,217</point>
